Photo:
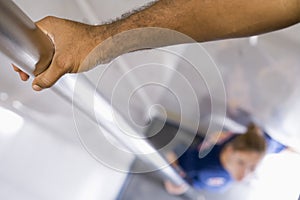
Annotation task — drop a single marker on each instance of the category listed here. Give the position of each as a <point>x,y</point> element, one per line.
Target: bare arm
<point>205,20</point>
<point>79,47</point>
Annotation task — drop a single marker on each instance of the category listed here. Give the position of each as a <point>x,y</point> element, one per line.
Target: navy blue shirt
<point>207,173</point>
<point>273,146</point>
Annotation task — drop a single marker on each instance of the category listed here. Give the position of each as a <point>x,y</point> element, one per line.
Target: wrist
<point>115,39</point>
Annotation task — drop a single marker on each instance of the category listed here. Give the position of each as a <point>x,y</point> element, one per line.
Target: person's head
<point>241,155</point>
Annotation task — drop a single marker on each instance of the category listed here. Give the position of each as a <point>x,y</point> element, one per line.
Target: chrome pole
<point>21,40</point>
<point>25,45</point>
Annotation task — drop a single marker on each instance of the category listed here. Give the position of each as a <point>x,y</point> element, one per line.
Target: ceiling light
<point>3,96</point>
<point>10,122</point>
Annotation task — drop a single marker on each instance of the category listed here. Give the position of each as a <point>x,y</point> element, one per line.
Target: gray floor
<point>149,186</point>
<point>144,186</point>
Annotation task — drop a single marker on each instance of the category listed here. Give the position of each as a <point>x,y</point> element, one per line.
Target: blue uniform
<point>273,146</point>
<point>207,173</point>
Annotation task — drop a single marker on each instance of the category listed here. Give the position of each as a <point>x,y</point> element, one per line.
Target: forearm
<point>205,20</point>
<point>79,47</point>
<point>184,21</point>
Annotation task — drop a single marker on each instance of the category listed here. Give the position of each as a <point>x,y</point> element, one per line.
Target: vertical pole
<point>25,45</point>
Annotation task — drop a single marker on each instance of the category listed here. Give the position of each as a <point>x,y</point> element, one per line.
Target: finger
<point>23,75</point>
<point>16,69</point>
<point>49,77</point>
<point>43,64</point>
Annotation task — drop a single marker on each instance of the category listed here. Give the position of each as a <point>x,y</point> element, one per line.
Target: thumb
<point>50,76</point>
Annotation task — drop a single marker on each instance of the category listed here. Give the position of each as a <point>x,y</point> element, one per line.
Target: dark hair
<point>252,140</point>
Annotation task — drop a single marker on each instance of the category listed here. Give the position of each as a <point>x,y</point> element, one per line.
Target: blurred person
<point>233,157</point>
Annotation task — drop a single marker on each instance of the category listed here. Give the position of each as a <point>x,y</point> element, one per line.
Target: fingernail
<point>36,88</point>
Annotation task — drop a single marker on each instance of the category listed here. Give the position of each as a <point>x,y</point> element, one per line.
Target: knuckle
<point>47,19</point>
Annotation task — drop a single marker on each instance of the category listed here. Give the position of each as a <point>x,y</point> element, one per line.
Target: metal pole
<point>21,40</point>
<point>25,44</point>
